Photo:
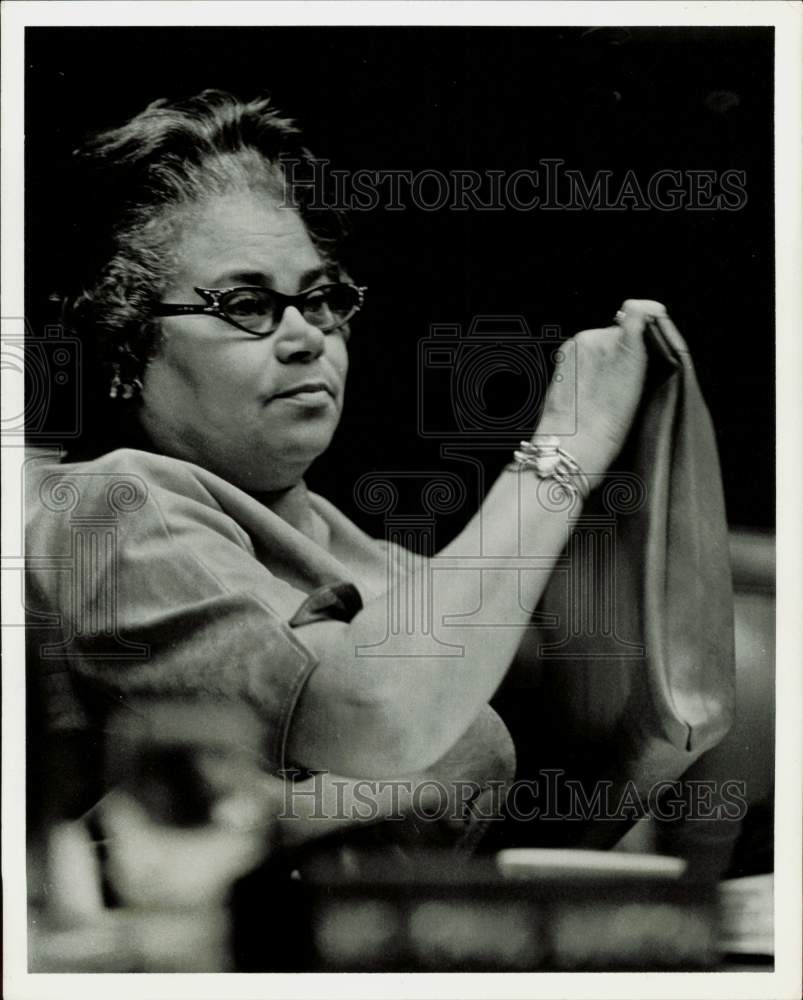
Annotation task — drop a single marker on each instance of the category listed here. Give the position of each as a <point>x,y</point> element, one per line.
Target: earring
<point>114,388</point>
<point>125,390</point>
<point>132,388</point>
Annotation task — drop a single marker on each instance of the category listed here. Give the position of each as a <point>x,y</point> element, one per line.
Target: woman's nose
<point>297,340</point>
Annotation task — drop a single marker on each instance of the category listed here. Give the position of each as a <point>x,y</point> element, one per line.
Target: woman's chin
<point>298,450</point>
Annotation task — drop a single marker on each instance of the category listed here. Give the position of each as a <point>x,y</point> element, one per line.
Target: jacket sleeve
<point>154,592</point>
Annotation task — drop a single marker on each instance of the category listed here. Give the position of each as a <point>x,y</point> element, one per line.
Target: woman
<point>217,311</point>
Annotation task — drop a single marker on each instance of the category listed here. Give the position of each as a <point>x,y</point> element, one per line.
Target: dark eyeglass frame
<point>215,307</point>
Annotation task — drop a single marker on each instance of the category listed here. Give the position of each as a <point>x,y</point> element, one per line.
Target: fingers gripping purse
<point>627,674</point>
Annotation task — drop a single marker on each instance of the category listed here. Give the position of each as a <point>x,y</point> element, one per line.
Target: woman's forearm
<point>373,706</point>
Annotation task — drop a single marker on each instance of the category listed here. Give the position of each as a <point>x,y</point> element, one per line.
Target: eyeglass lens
<point>260,311</point>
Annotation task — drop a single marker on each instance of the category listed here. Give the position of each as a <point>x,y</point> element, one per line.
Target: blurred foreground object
<point>747,916</point>
<point>141,881</point>
<point>373,912</point>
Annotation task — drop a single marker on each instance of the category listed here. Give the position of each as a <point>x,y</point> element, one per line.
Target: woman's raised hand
<point>597,385</point>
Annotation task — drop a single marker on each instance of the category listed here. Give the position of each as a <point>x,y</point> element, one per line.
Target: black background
<point>483,98</point>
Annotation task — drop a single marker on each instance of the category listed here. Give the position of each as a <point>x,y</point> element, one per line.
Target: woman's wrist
<point>590,457</point>
<point>545,457</point>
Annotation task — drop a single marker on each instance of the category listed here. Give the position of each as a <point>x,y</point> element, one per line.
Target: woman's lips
<point>306,393</point>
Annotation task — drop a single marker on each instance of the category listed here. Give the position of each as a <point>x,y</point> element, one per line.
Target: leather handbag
<point>627,674</point>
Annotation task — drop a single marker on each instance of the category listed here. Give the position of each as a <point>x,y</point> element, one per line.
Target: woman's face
<point>222,398</point>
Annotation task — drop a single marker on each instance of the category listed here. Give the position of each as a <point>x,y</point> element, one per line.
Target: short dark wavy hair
<point>136,185</point>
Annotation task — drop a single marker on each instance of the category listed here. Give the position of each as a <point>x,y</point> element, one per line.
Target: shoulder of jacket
<point>120,481</point>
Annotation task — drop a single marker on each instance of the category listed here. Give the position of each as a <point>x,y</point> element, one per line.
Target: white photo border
<point>785,980</point>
